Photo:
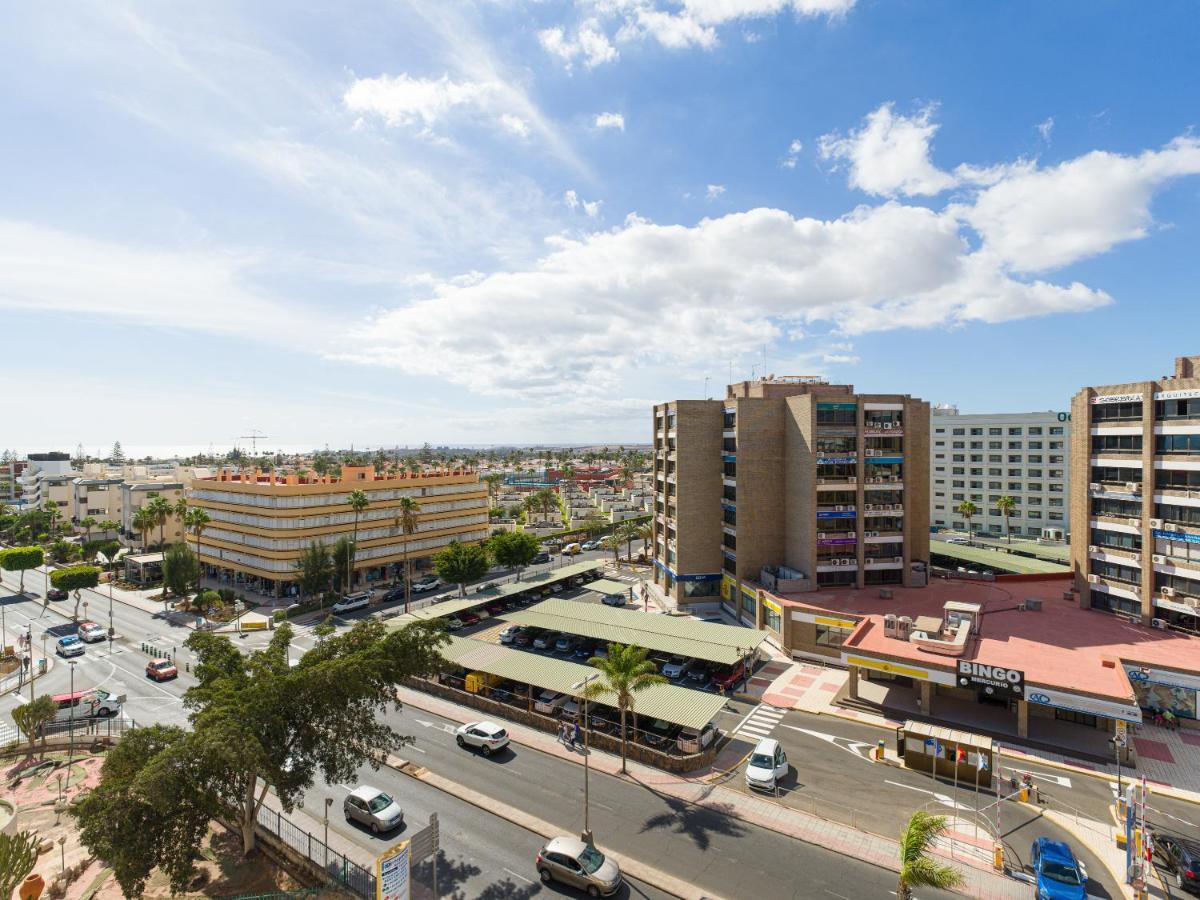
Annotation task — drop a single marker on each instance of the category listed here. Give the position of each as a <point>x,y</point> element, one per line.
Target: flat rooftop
<point>996,558</point>
<point>1062,646</point>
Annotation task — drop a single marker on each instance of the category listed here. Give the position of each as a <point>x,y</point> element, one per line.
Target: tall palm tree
<point>406,516</point>
<point>645,531</point>
<point>143,522</point>
<point>625,673</point>
<point>968,511</point>
<point>179,510</point>
<point>1007,506</point>
<point>160,508</point>
<point>613,542</point>
<point>196,521</point>
<point>493,482</point>
<point>917,869</point>
<point>87,523</point>
<point>358,502</point>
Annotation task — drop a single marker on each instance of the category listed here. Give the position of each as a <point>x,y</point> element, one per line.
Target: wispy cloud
<point>613,120</point>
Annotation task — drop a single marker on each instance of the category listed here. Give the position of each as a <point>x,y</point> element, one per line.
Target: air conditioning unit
<point>1195,495</point>
<point>899,507</point>
<point>897,559</point>
<point>890,627</point>
<point>870,534</point>
<point>1132,487</point>
<point>820,481</point>
<point>1156,523</point>
<point>870,506</point>
<point>1093,579</point>
<point>1092,548</point>
<point>1158,623</point>
<point>839,509</point>
<point>904,626</point>
<point>1158,560</point>
<point>887,426</point>
<point>821,535</point>
<point>1094,486</point>
<point>1021,607</point>
<point>894,478</point>
<point>1168,592</point>
<point>1136,523</point>
<point>847,561</point>
<point>1169,526</point>
<point>1193,602</point>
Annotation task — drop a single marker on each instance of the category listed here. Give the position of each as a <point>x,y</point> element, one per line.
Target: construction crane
<point>253,437</point>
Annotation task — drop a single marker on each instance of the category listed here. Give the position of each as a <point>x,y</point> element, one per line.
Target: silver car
<point>372,807</point>
<point>580,865</point>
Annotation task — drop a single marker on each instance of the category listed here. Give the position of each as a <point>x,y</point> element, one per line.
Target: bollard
<point>879,751</point>
<point>1024,795</point>
<point>998,857</point>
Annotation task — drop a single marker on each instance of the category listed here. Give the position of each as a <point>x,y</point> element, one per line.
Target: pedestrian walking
<point>577,736</point>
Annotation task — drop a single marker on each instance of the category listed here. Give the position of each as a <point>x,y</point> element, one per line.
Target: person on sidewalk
<point>576,737</point>
<point>562,733</point>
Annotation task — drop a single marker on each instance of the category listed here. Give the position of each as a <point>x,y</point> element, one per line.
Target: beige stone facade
<point>1135,497</point>
<point>789,482</point>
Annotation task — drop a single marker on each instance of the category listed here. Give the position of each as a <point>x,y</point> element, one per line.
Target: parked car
<point>372,807</point>
<point>589,545</point>
<point>570,709</point>
<point>509,634</point>
<point>552,542</point>
<point>605,719</point>
<point>660,733</point>
<point>1057,874</point>
<point>549,702</point>
<point>545,640</point>
<point>428,583</point>
<point>614,599</point>
<point>161,669</point>
<point>494,609</point>
<point>488,737</point>
<point>571,861</point>
<point>957,541</point>
<point>585,650</point>
<point>677,667</point>
<point>509,692</point>
<point>566,643</point>
<point>92,632</point>
<point>524,637</point>
<point>70,645</point>
<point>542,557</point>
<point>469,618</point>
<point>1181,858</point>
<point>56,594</point>
<point>693,740</point>
<point>729,677</point>
<point>394,594</point>
<point>767,764</point>
<point>351,602</point>
<point>454,623</point>
<point>700,675</point>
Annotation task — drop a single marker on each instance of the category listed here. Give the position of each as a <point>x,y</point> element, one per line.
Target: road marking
<point>856,748</point>
<point>1176,818</point>
<point>516,875</point>
<point>940,798</point>
<point>1061,780</point>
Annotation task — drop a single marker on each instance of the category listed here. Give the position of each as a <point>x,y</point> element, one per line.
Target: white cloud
<point>590,208</point>
<point>795,148</point>
<point>717,12</point>
<point>889,155</point>
<point>1045,127</point>
<point>1039,219</point>
<point>515,124</point>
<point>403,100</point>
<point>589,44</point>
<point>752,277</point>
<point>713,191</point>
<point>610,120</point>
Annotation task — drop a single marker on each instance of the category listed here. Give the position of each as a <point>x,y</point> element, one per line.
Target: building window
<point>1116,540</point>
<point>1035,429</point>
<point>1113,412</point>
<point>1014,431</point>
<point>1177,409</point>
<point>1106,602</point>
<point>1184,444</point>
<point>771,619</point>
<point>1035,445</point>
<point>959,431</point>
<point>847,416</point>
<point>1015,486</point>
<point>1116,571</point>
<point>1079,718</point>
<point>831,635</point>
<point>1056,429</point>
<point>748,604</point>
<point>1014,445</point>
<point>995,445</point>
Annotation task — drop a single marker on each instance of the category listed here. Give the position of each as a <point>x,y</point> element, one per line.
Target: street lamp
<point>586,837</point>
<point>71,714</point>
<point>328,803</point>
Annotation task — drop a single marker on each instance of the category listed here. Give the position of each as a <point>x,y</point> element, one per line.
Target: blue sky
<point>510,221</point>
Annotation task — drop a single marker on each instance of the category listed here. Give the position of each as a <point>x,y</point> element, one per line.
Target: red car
<point>494,609</point>
<point>161,669</point>
<point>469,618</point>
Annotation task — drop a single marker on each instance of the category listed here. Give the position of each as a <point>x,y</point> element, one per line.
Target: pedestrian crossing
<point>760,723</point>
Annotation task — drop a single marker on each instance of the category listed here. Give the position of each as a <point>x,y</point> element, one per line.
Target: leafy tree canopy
<point>513,549</point>
<point>460,564</point>
<point>75,578</point>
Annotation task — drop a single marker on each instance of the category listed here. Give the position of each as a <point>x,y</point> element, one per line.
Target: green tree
<point>1007,506</point>
<point>968,511</point>
<point>343,554</point>
<point>358,502</point>
<point>325,628</point>
<point>613,542</point>
<point>143,523</point>
<point>196,520</point>
<point>117,456</point>
<point>152,808</point>
<point>180,570</point>
<point>160,509</point>
<point>18,856</point>
<point>75,579</point>
<point>33,716</point>
<point>406,517</point>
<point>645,532</point>
<point>314,570</point>
<point>917,869</point>
<point>625,673</point>
<point>514,549</point>
<point>262,723</point>
<point>629,532</point>
<point>493,482</point>
<point>87,523</point>
<point>460,564</point>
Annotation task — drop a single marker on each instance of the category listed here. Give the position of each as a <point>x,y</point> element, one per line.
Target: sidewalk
<point>981,881</point>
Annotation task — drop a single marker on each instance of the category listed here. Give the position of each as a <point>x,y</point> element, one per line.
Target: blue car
<point>1058,875</point>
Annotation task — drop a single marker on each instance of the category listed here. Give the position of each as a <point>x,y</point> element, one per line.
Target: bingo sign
<point>991,679</point>
<point>391,874</point>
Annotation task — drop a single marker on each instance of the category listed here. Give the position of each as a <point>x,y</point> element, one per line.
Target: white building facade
<point>984,457</point>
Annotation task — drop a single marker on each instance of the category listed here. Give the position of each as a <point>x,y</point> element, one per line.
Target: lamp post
<point>71,715</point>
<point>586,837</point>
<point>328,803</point>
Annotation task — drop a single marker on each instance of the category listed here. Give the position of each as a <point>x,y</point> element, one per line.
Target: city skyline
<point>520,224</point>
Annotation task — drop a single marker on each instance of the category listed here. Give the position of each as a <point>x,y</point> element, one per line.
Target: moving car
<point>542,557</point>
<point>161,669</point>
<point>1181,858</point>
<point>85,705</point>
<point>571,549</point>
<point>92,632</point>
<point>428,583</point>
<point>509,634</point>
<point>1057,873</point>
<point>488,737</point>
<point>70,645</point>
<point>590,545</point>
<point>571,861</point>
<point>56,594</point>
<point>957,541</point>
<point>548,702</point>
<point>767,764</point>
<point>351,602</point>
<point>372,807</point>
<point>394,594</point>
<point>677,667</point>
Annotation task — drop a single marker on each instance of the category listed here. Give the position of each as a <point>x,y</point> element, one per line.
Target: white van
<point>767,764</point>
<point>351,602</point>
<point>93,704</point>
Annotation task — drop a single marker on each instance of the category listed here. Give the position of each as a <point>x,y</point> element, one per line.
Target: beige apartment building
<point>792,484</point>
<point>262,521</point>
<point>1135,497</point>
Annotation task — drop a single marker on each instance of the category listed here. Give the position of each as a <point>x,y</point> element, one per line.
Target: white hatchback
<point>767,764</point>
<point>488,737</point>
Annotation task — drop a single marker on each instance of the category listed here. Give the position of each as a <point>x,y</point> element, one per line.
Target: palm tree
<point>406,516</point>
<point>917,869</point>
<point>629,533</point>
<point>358,502</point>
<point>624,673</point>
<point>87,523</point>
<point>196,521</point>
<point>1007,506</point>
<point>493,482</point>
<point>179,510</point>
<point>967,510</point>
<point>645,531</point>
<point>143,522</point>
<point>613,542</point>
<point>160,508</point>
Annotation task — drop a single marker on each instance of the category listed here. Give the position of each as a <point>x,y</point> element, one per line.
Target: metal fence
<point>82,728</point>
<point>336,865</point>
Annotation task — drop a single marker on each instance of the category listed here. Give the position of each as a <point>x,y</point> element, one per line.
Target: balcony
<point>831,484</point>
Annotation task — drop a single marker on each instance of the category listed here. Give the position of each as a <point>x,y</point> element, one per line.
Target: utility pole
<point>586,837</point>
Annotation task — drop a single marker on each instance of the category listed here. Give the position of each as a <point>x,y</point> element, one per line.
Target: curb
<point>1068,826</point>
<point>677,887</point>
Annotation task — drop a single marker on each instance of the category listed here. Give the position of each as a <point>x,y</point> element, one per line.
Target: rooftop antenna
<point>253,437</point>
<point>706,380</point>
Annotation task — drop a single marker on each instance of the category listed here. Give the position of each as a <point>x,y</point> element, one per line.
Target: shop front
<point>1161,690</point>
